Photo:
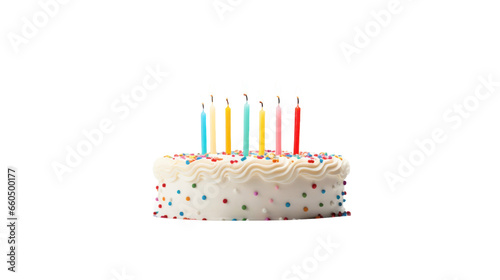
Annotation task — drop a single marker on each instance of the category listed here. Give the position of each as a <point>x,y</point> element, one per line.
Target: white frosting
<point>285,171</point>
<point>254,189</point>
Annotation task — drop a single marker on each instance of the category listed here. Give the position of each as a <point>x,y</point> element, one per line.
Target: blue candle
<point>203,130</point>
<point>246,128</point>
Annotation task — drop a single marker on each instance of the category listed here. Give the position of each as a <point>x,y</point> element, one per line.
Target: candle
<point>212,127</point>
<point>246,127</point>
<point>203,130</point>
<point>297,129</point>
<point>228,128</point>
<point>262,134</point>
<point>278,128</point>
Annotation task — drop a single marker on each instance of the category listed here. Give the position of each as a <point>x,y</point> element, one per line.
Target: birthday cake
<point>255,187</point>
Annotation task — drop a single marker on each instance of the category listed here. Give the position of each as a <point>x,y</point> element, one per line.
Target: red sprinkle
<point>348,213</point>
<point>204,219</point>
<point>224,200</point>
<point>314,186</point>
<point>159,206</point>
<point>174,217</point>
<point>156,187</point>
<point>164,216</point>
<point>164,185</point>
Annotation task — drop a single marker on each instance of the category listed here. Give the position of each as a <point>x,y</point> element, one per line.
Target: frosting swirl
<point>237,168</point>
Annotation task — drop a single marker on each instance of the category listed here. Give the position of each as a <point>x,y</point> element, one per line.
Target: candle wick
<point>227,102</point>
<point>203,105</point>
<point>297,101</point>
<point>262,104</point>
<point>212,98</point>
<point>278,99</point>
<point>246,96</point>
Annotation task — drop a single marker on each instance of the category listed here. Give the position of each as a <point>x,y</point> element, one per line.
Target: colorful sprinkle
<point>159,206</point>
<point>306,209</point>
<point>181,213</point>
<point>204,197</point>
<point>188,198</point>
<point>314,186</point>
<point>164,185</point>
<point>178,191</point>
<point>287,204</point>
<point>338,196</point>
<point>320,204</point>
<point>244,207</point>
<point>193,185</point>
<point>256,193</point>
<point>304,195</point>
<point>170,203</point>
<point>224,200</point>
<point>323,191</point>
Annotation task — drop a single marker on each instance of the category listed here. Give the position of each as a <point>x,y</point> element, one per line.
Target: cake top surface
<point>284,168</point>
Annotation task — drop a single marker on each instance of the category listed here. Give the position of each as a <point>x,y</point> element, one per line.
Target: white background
<point>97,222</point>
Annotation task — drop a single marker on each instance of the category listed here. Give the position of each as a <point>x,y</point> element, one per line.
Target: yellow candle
<point>228,129</point>
<point>262,133</point>
<point>212,128</point>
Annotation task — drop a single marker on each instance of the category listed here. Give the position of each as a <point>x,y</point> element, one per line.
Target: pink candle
<point>278,128</point>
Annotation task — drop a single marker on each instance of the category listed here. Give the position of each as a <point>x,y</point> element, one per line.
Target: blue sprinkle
<point>338,196</point>
<point>187,162</point>
<point>170,203</point>
<point>178,191</point>
<point>204,197</point>
<point>323,191</point>
<point>234,219</point>
<point>344,214</point>
<point>340,203</point>
<point>267,158</point>
<point>181,213</point>
<point>243,158</point>
<point>321,160</point>
<point>344,200</point>
<point>287,204</point>
<point>198,158</point>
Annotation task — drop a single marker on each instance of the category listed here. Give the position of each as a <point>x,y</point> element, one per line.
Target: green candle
<point>246,127</point>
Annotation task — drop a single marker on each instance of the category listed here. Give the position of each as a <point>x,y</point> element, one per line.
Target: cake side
<point>233,187</point>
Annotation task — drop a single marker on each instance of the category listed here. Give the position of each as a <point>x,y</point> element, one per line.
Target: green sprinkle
<point>304,195</point>
<point>244,207</point>
<point>244,219</point>
<point>320,204</point>
<point>194,186</point>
